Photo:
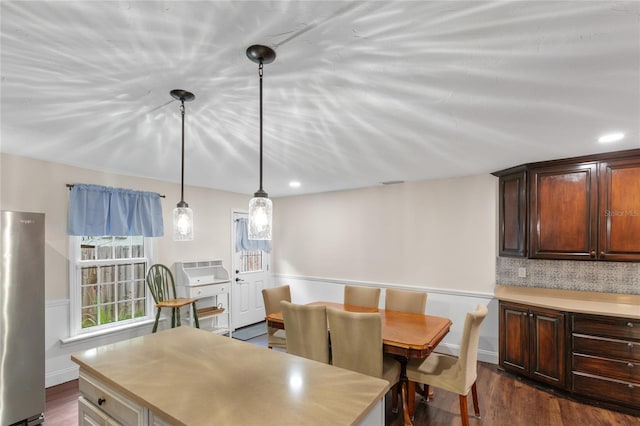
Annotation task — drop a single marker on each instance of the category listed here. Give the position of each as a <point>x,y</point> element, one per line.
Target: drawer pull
<point>630,345</point>
<point>524,314</point>
<point>630,365</point>
<point>630,386</point>
<point>630,324</point>
<point>101,401</point>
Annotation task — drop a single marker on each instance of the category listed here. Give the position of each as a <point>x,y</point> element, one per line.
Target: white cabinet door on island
<point>187,376</point>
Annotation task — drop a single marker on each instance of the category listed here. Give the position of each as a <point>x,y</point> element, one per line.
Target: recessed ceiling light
<point>294,184</point>
<point>611,137</point>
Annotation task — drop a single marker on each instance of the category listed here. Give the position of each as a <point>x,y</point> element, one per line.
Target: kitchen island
<point>187,376</point>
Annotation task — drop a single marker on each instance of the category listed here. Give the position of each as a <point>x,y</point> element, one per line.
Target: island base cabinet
<point>117,409</point>
<point>90,415</point>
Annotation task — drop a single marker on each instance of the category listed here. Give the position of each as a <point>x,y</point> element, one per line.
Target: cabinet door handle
<point>630,386</point>
<point>630,365</point>
<point>592,254</point>
<point>630,345</point>
<point>531,315</point>
<point>630,324</point>
<point>524,314</point>
<point>101,401</point>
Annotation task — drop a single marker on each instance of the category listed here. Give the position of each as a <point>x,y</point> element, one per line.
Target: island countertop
<point>586,302</point>
<point>188,376</point>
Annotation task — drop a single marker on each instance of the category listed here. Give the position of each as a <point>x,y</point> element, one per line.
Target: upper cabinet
<point>586,208</point>
<point>564,203</point>
<point>619,211</point>
<point>512,207</point>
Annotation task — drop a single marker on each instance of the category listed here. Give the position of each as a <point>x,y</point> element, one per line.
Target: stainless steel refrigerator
<point>22,319</point>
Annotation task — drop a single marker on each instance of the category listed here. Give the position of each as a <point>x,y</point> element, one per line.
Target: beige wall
<point>439,234</point>
<point>39,186</point>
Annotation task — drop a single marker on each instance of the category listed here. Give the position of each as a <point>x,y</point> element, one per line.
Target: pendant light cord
<point>182,175</point>
<point>260,72</point>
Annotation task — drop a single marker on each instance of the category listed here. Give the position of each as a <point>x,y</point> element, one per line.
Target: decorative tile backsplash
<point>604,277</point>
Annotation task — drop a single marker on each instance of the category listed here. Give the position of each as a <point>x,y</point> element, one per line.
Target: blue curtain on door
<point>96,210</point>
<point>243,243</point>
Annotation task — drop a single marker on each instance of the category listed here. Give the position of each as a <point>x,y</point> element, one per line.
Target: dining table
<point>404,335</point>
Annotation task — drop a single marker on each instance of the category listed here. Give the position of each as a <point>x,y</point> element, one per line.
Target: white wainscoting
<point>451,304</point>
<point>58,365</point>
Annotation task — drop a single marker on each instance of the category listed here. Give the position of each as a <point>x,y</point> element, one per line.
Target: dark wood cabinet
<point>564,206</point>
<point>584,208</point>
<point>619,212</point>
<point>533,342</point>
<point>513,208</point>
<point>605,358</point>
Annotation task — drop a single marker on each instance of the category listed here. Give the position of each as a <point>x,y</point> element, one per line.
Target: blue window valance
<point>96,210</point>
<point>243,243</point>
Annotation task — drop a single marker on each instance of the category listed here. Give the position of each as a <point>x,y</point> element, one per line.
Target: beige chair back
<point>273,296</point>
<point>307,333</point>
<point>411,301</point>
<point>368,297</point>
<point>356,341</point>
<point>468,359</point>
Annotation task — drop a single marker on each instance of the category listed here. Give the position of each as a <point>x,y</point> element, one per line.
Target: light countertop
<point>191,377</point>
<point>610,304</point>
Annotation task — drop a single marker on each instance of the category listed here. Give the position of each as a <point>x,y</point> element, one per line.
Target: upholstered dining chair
<point>453,374</point>
<point>368,297</point>
<point>307,332</point>
<point>163,289</point>
<point>272,297</point>
<point>411,301</point>
<point>356,344</point>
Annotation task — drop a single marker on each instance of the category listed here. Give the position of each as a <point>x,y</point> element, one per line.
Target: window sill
<point>103,333</point>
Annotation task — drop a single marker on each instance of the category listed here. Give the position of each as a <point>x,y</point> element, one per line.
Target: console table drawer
<point>609,348</point>
<point>621,370</point>
<point>607,326</point>
<point>606,389</point>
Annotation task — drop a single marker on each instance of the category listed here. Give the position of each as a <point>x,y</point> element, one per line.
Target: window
<point>250,261</point>
<point>108,287</point>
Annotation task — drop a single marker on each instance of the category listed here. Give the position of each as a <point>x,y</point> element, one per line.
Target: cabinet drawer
<point>111,402</point>
<point>609,348</point>
<point>607,326</point>
<point>204,290</point>
<point>606,367</point>
<point>606,389</point>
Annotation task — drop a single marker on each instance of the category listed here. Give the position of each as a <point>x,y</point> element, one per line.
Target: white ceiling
<point>360,92</point>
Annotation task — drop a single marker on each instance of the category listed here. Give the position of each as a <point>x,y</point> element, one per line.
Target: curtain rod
<point>70,185</point>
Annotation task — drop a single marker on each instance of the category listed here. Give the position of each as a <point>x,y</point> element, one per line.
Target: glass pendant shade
<point>182,224</point>
<point>260,211</point>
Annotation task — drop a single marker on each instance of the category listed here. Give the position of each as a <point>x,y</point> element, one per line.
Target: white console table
<point>209,282</point>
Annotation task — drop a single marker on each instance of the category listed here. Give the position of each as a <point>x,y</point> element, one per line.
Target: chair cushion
<point>439,370</point>
<point>391,370</point>
<point>278,339</point>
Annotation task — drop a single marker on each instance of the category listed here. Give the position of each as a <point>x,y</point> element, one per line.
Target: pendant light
<point>260,207</point>
<point>182,214</point>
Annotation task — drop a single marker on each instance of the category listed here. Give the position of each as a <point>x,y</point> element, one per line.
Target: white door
<point>250,274</point>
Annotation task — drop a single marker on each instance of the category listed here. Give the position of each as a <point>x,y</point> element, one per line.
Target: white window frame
<point>75,299</point>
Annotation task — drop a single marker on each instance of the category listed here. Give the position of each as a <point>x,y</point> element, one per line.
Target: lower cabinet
<point>100,405</point>
<point>593,356</point>
<point>533,342</point>
<point>605,360</point>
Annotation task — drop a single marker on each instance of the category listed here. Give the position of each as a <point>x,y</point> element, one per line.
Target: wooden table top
<point>405,334</point>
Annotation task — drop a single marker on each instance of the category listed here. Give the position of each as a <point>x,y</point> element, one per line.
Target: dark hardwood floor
<point>504,400</point>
